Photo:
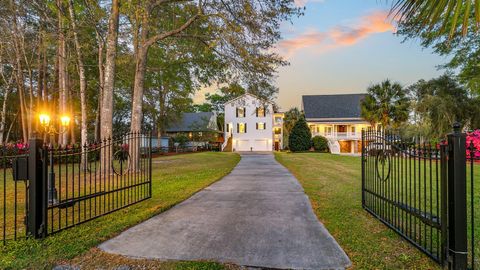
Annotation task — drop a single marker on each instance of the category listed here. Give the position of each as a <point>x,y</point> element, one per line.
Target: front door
<point>277,146</point>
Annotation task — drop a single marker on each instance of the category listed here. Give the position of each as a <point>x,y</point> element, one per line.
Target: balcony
<point>340,135</point>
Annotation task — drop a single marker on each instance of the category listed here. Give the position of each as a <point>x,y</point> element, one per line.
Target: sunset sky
<point>343,46</point>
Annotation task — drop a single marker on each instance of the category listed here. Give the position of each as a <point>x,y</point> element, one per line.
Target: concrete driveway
<point>258,216</point>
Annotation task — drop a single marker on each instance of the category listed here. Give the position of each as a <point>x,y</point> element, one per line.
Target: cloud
<point>302,3</point>
<point>338,36</point>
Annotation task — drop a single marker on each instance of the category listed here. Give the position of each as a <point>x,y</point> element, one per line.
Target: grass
<point>333,184</point>
<point>174,179</point>
<point>71,182</point>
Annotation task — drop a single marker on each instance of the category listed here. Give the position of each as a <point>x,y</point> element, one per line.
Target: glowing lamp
<point>44,119</point>
<point>65,120</point>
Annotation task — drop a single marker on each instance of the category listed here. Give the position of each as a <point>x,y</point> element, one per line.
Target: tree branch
<point>165,35</point>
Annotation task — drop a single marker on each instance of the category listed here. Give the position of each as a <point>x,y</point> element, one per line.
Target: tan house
<point>338,118</point>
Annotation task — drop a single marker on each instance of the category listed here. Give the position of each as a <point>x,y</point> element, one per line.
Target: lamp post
<point>49,128</point>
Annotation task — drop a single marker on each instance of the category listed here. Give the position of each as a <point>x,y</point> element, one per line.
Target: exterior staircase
<point>334,146</point>
<point>228,147</point>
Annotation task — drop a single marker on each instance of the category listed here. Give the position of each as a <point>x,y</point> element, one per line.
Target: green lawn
<point>333,184</point>
<point>174,179</point>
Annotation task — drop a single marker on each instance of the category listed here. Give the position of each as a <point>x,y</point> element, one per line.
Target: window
<point>328,130</point>
<point>240,112</point>
<point>261,125</point>
<point>241,128</point>
<point>342,128</point>
<point>353,129</point>
<point>278,120</point>
<point>278,131</point>
<point>312,128</point>
<point>261,112</point>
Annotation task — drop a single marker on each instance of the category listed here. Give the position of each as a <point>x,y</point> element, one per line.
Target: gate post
<point>457,200</point>
<point>36,189</point>
<point>150,164</point>
<point>363,167</point>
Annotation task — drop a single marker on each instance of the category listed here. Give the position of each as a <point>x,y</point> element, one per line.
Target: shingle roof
<point>332,106</point>
<point>192,122</point>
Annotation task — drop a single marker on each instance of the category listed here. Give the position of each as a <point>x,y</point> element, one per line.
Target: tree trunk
<point>4,114</point>
<point>7,137</point>
<point>62,74</point>
<point>109,84</point>
<point>40,75</point>
<point>81,74</point>
<point>19,74</point>
<point>101,85</point>
<point>44,74</point>
<point>137,105</point>
<point>164,89</point>
<point>137,100</point>
<point>71,112</point>
<point>107,99</point>
<point>30,119</point>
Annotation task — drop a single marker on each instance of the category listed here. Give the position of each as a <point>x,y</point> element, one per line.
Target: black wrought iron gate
<point>420,191</point>
<point>94,180</point>
<point>66,186</point>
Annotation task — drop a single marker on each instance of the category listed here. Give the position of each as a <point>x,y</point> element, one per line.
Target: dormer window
<point>240,112</point>
<point>260,112</point>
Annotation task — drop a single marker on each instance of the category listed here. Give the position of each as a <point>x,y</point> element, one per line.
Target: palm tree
<point>386,103</point>
<point>447,14</point>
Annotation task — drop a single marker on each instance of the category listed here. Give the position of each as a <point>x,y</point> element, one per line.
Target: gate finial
<point>457,127</point>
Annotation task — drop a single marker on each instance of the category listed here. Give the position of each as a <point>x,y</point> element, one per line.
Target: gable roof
<point>193,122</point>
<point>337,107</point>
<point>248,94</point>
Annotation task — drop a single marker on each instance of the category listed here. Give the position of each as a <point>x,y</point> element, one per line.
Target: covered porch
<point>341,131</point>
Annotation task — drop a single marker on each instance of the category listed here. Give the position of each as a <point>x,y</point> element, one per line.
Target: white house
<point>249,125</point>
<point>338,118</point>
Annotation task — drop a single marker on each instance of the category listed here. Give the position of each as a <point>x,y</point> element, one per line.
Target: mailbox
<point>20,169</point>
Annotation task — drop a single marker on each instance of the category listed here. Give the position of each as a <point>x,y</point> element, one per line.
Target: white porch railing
<point>340,135</point>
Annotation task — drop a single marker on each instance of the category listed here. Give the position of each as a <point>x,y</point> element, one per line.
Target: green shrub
<point>320,144</point>
<point>181,139</point>
<point>300,136</point>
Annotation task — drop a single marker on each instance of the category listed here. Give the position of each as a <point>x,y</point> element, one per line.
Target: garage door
<point>243,145</point>
<point>253,145</point>
<point>261,145</point>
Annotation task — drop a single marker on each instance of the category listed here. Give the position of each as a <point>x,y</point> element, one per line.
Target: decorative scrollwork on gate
<point>121,162</point>
<point>382,164</point>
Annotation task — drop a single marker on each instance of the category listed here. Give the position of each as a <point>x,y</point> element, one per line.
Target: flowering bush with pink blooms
<point>12,149</point>
<point>473,137</point>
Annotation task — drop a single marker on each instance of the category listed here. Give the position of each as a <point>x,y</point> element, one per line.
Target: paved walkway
<point>258,215</point>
